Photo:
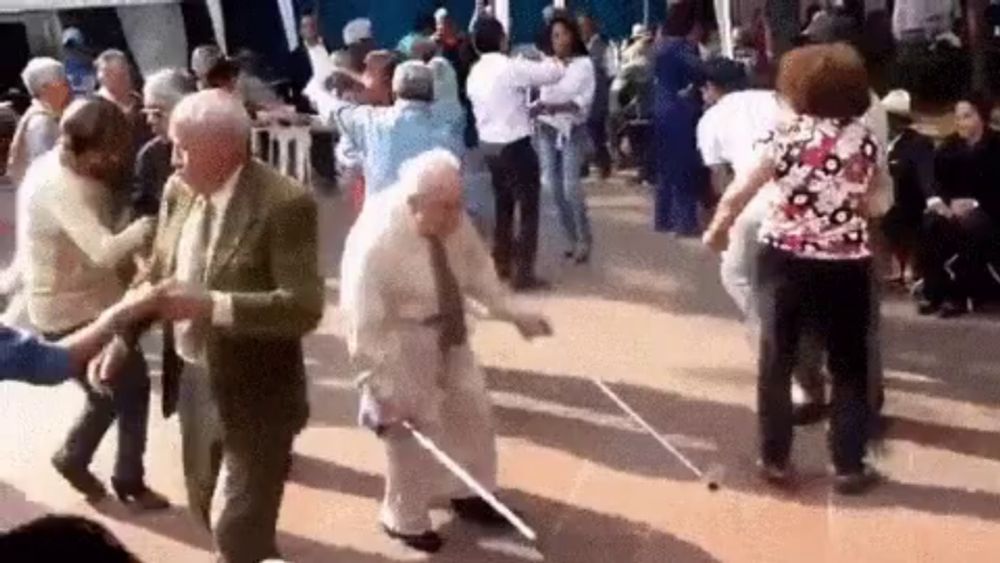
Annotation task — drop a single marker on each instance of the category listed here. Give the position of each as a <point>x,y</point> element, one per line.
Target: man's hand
<point>963,206</point>
<point>342,81</point>
<point>184,302</point>
<point>108,366</point>
<point>939,207</point>
<point>532,326</point>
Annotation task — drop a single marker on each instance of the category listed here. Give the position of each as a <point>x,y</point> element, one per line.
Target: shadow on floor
<point>567,533</point>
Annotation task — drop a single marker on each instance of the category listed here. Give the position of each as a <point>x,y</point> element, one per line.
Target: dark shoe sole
<point>428,542</point>
<point>774,475</point>
<point>855,483</point>
<point>140,497</point>
<point>477,511</point>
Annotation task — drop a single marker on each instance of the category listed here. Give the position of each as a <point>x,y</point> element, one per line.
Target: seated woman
<point>963,212</point>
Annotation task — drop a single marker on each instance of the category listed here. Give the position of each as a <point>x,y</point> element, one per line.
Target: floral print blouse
<point>823,168</point>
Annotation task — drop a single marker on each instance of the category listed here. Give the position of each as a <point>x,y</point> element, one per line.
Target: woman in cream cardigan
<point>71,276</point>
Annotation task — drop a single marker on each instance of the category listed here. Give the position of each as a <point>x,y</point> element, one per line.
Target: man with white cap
<point>79,64</point>
<point>358,42</point>
<point>410,262</point>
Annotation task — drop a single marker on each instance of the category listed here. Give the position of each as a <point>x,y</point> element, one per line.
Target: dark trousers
<point>128,404</point>
<point>831,298</point>
<point>642,153</point>
<point>516,188</point>
<point>598,128</point>
<point>969,240</point>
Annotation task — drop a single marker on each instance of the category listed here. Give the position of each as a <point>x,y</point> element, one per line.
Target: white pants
<point>462,426</point>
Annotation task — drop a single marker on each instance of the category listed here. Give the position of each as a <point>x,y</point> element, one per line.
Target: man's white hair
<point>111,56</point>
<point>203,58</point>
<point>40,72</point>
<point>168,87</point>
<point>414,170</point>
<point>212,111</point>
<point>413,80</point>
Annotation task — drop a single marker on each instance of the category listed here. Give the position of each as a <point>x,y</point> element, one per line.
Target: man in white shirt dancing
<point>410,260</point>
<point>498,88</point>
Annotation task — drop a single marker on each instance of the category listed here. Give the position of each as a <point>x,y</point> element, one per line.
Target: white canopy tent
<point>154,29</point>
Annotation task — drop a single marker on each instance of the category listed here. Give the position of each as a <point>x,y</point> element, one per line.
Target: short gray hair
<point>111,56</point>
<point>168,87</point>
<point>204,58</point>
<point>412,171</point>
<point>213,111</point>
<point>40,72</point>
<point>413,80</point>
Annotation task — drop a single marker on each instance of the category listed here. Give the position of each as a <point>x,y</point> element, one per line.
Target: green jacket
<point>266,257</point>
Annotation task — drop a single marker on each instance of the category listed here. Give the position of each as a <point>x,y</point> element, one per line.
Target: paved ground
<point>649,317</point>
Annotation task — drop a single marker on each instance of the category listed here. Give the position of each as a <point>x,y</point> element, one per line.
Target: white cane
<point>457,470</point>
<point>711,477</point>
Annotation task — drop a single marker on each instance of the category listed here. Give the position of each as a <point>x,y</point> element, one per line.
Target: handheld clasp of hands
<point>169,300</point>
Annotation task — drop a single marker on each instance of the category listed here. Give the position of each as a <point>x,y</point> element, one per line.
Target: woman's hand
<point>715,238</point>
<point>141,231</point>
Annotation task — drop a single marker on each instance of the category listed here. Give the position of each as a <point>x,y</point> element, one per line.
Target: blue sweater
<point>26,358</point>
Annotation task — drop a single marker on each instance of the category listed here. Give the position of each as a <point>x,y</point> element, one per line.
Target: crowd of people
<point>141,210</point>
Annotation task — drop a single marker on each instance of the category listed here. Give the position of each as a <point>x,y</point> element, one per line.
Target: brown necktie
<point>451,312</point>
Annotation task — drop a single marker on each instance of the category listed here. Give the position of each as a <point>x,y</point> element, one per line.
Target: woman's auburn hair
<point>826,81</point>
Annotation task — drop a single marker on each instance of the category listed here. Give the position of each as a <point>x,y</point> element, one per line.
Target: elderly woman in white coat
<point>562,111</point>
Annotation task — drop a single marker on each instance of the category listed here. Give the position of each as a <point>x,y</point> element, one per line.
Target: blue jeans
<point>561,168</point>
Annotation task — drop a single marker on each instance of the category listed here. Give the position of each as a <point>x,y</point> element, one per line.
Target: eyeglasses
<point>154,112</point>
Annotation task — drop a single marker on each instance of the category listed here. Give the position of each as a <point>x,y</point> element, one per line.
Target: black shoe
<point>952,309</point>
<point>808,414</point>
<point>81,479</point>
<point>475,509</point>
<point>139,496</point>
<point>927,307</point>
<point>855,483</point>
<point>428,542</point>
<point>582,255</point>
<point>569,254</point>
<point>530,284</point>
<point>774,474</point>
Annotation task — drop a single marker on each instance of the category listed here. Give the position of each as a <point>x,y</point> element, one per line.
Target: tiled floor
<point>647,316</point>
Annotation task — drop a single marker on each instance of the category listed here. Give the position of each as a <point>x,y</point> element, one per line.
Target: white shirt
<point>735,130</point>
<point>577,85</point>
<point>498,88</point>
<point>222,303</point>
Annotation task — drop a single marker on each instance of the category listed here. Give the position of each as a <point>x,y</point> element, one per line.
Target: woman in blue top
<point>677,67</point>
